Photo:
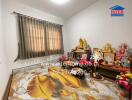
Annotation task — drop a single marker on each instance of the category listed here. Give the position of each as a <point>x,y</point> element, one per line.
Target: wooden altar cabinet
<point>78,54</point>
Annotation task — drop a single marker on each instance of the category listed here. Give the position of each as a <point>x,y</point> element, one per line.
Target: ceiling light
<point>60,2</point>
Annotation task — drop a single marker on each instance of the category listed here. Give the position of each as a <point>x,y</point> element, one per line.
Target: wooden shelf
<point>115,68</point>
<point>111,71</point>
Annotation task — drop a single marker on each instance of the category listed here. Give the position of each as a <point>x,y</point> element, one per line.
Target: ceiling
<point>64,11</point>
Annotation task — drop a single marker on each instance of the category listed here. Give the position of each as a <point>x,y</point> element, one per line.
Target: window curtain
<point>54,39</point>
<point>38,38</point>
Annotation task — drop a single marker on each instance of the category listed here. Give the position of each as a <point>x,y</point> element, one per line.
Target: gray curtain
<point>38,38</point>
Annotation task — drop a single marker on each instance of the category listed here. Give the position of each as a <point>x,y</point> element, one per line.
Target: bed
<point>50,82</point>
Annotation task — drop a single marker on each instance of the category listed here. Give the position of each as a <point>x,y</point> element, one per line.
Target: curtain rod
<point>35,18</point>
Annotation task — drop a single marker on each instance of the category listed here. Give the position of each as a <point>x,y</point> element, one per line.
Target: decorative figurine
<point>83,45</point>
<point>80,46</point>
<point>95,58</point>
<point>108,49</point>
<point>97,55</point>
<point>122,52</point>
<point>122,55</point>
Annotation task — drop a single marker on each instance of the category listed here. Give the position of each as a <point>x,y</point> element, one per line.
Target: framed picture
<point>84,56</point>
<point>109,58</point>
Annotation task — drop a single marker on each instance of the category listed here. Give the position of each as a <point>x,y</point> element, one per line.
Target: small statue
<point>122,52</point>
<point>97,56</point>
<point>108,48</point>
<point>83,45</point>
<point>122,55</point>
<point>80,43</point>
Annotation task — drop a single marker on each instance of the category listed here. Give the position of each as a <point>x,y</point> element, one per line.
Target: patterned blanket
<point>54,83</point>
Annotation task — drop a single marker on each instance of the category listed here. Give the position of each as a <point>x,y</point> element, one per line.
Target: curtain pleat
<point>22,43</point>
<point>38,38</point>
<point>45,39</point>
<point>30,39</point>
<point>54,39</point>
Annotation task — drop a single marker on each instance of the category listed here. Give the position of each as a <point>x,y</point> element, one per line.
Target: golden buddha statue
<point>108,48</point>
<point>83,45</point>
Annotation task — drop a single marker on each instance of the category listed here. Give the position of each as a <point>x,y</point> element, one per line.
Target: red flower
<point>85,62</point>
<point>63,58</point>
<point>125,84</point>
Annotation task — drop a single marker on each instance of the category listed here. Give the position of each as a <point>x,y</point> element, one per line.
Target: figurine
<point>97,55</point>
<point>122,51</point>
<point>83,45</point>
<point>80,46</point>
<point>122,55</point>
<point>108,48</point>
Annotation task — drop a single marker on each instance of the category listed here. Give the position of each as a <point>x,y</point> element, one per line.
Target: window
<point>38,38</point>
<point>35,42</point>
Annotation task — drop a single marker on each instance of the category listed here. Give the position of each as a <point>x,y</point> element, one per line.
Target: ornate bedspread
<point>57,84</point>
